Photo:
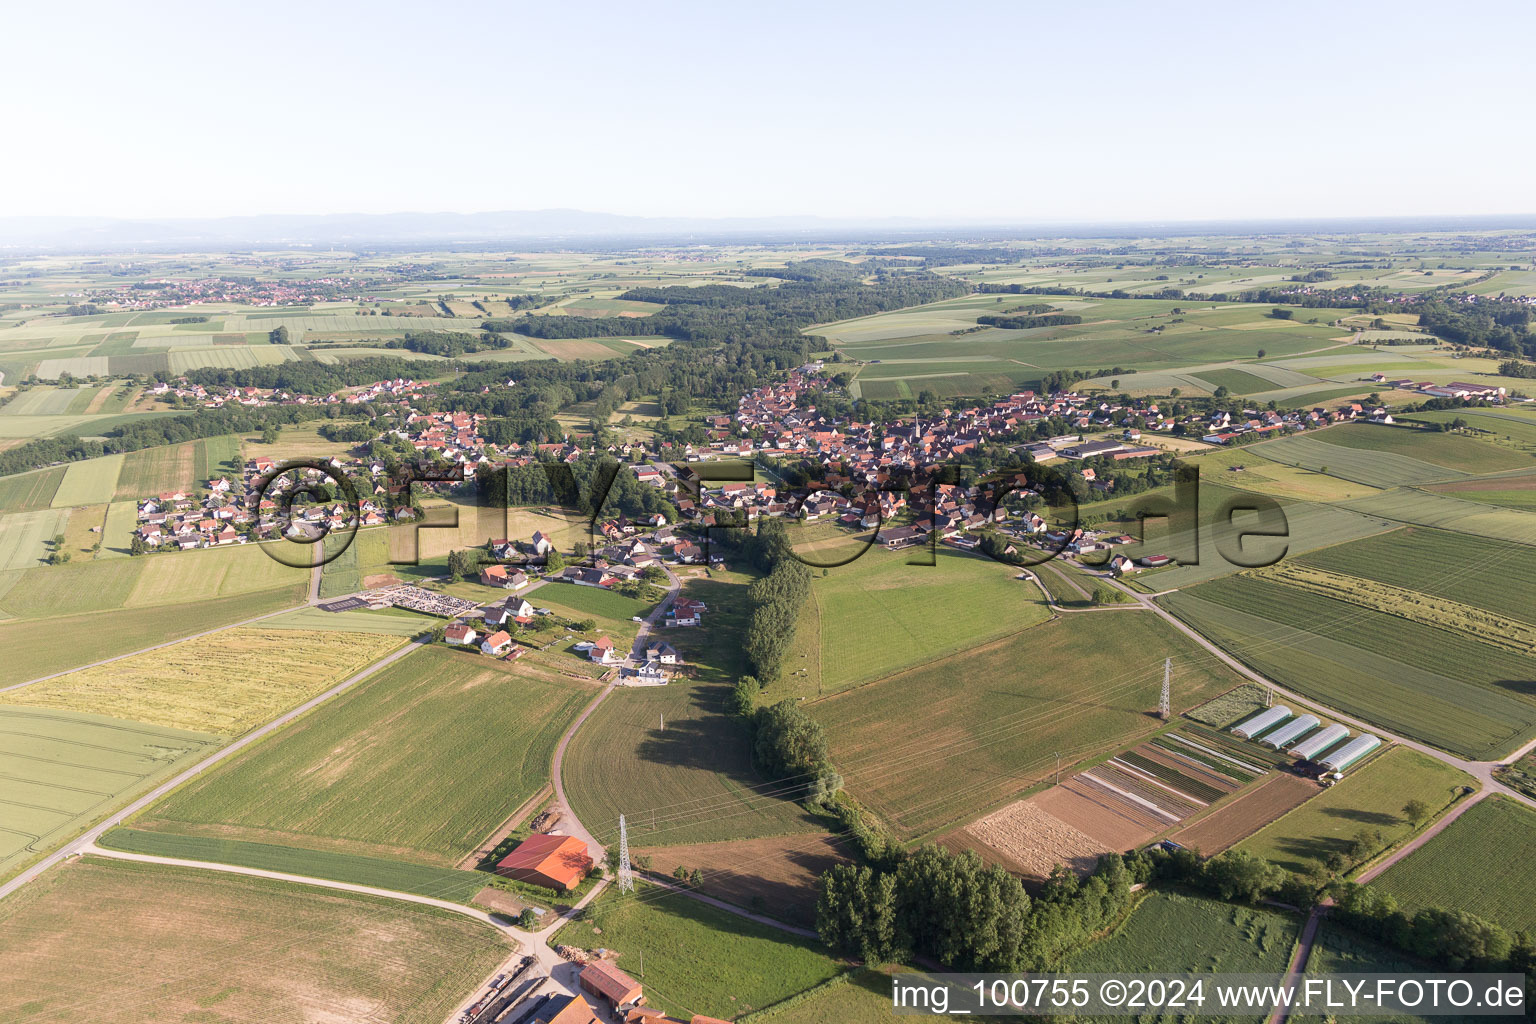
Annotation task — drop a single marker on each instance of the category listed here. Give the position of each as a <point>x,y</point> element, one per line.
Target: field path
<point>88,840</point>
<point>1299,958</point>
<point>673,586</point>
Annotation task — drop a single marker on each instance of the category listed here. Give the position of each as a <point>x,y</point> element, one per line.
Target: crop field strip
<point>64,769</point>
<point>222,684</point>
<point>28,492</point>
<point>1294,636</point>
<point>919,791</point>
<point>180,940</point>
<point>1481,863</point>
<point>424,730</point>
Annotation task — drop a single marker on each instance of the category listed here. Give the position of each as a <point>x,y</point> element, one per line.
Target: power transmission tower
<point>1165,706</point>
<point>1269,696</point>
<point>626,876</point>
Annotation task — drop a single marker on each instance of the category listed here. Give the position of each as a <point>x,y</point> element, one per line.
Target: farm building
<point>1266,719</point>
<point>1291,731</point>
<point>555,862</point>
<point>605,982</point>
<point>1315,744</point>
<point>1351,752</point>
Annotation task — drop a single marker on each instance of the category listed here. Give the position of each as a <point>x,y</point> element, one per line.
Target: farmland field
<point>1246,813</point>
<point>117,535</point>
<point>215,457</point>
<point>878,614</point>
<point>1369,798</point>
<point>1173,933</point>
<point>390,621</point>
<point>32,651</point>
<point>1427,508</point>
<point>1354,462</point>
<point>89,482</point>
<point>151,471</point>
<point>350,956</point>
<point>678,749</point>
<point>25,536</point>
<point>1309,525</point>
<point>1442,687</point>
<point>423,730</point>
<point>1239,382</point>
<point>28,492</point>
<point>992,719</point>
<point>1465,569</point>
<point>182,576</point>
<point>699,959</point>
<point>1337,950</point>
<point>76,587</point>
<point>861,996</point>
<point>1450,451</point>
<point>780,872</point>
<point>431,880</point>
<point>1481,863</point>
<point>63,770</point>
<point>223,684</point>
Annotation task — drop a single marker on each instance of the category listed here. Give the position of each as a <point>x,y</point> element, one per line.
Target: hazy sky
<point>972,111</point>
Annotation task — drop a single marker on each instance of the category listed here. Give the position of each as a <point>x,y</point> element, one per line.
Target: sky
<point>1018,112</point>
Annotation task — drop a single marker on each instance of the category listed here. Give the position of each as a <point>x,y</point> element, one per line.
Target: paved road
<point>88,839</point>
<point>673,586</point>
<point>569,823</point>
<point>1299,958</point>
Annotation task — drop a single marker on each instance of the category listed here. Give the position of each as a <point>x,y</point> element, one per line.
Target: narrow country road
<point>569,823</point>
<point>673,586</point>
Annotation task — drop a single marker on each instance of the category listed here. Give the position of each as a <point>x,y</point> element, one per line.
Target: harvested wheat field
<point>1246,814</point>
<point>179,944</point>
<point>1026,838</point>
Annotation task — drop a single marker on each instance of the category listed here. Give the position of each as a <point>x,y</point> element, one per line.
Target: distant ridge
<point>551,227</point>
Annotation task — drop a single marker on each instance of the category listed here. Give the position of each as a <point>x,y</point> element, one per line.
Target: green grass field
<point>179,577</point>
<point>699,959</point>
<point>677,750</point>
<point>432,880</point>
<point>1171,933</point>
<point>98,586</point>
<point>579,601</point>
<point>390,622</point>
<point>1369,798</point>
<point>25,537</point>
<point>216,457</point>
<point>1481,863</point>
<point>1431,684</point>
<point>117,535</point>
<point>63,770</point>
<point>878,614</point>
<point>28,492</point>
<point>186,944</point>
<point>89,482</point>
<point>1239,382</point>
<point>986,725</point>
<point>426,730</point>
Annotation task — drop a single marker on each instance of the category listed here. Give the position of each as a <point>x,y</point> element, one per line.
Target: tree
<point>1174,392</point>
<point>1261,353</point>
<point>269,435</point>
<point>744,696</point>
<point>553,562</point>
<point>278,335</point>
<point>1114,385</point>
<point>1416,811</point>
<point>138,545</point>
<point>528,920</point>
<point>463,563</point>
<point>1239,875</point>
<point>696,879</point>
<point>856,913</point>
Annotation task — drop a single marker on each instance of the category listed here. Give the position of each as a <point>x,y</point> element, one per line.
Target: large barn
<point>554,862</point>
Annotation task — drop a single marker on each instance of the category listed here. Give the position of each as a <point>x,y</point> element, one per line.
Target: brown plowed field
<point>781,871</point>
<point>1246,814</point>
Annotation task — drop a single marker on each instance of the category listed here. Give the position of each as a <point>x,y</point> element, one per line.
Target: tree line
<point>1022,323</point>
